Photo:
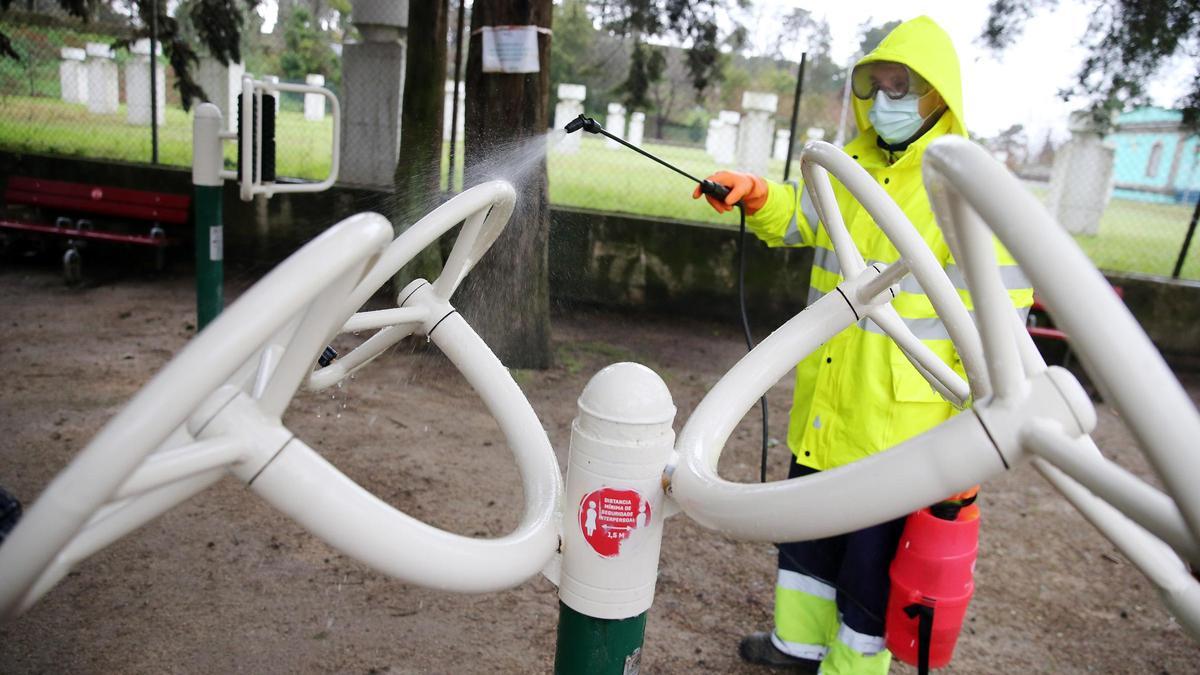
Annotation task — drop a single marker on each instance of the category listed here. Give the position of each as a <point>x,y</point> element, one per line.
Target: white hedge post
<point>569,106</point>
<point>103,87</point>
<point>314,104</point>
<point>72,75</point>
<point>137,86</point>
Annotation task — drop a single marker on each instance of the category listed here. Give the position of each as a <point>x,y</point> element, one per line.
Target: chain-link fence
<point>71,93</point>
<point>588,171</point>
<point>1127,195</point>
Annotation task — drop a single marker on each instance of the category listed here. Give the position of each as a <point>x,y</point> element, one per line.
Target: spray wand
<point>590,125</point>
<point>717,191</point>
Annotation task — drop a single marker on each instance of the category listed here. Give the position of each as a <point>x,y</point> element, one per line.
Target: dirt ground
<point>224,583</point>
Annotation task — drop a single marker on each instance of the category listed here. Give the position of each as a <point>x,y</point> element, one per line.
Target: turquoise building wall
<point>1155,158</point>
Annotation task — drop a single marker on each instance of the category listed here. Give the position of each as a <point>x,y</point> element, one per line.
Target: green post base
<point>210,253</point>
<point>587,645</point>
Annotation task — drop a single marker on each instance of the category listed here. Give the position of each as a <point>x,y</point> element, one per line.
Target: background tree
<point>218,24</point>
<point>769,69</point>
<point>506,124</point>
<point>581,53</point>
<point>1128,42</point>
<point>670,93</point>
<point>1012,144</point>
<point>307,48</point>
<point>870,35</point>
<point>418,171</point>
<point>646,66</point>
<point>574,38</point>
<point>694,23</point>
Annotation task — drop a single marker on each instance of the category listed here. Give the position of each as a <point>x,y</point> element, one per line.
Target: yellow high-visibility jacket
<point>858,394</point>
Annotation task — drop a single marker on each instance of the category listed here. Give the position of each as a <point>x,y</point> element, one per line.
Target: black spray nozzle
<point>715,190</point>
<point>586,123</point>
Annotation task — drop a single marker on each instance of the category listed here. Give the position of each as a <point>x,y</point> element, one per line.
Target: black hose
<point>719,192</point>
<point>741,289</point>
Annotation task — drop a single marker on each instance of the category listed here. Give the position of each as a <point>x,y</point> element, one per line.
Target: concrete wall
<point>609,260</point>
<point>1169,310</point>
<point>647,264</point>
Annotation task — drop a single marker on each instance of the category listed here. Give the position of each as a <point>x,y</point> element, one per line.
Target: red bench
<point>114,207</point>
<point>1039,325</point>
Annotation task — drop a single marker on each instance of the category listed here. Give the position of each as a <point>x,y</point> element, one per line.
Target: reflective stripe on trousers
<point>808,626</point>
<point>831,596</point>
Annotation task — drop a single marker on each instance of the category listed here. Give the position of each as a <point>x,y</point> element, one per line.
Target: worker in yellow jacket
<point>858,394</point>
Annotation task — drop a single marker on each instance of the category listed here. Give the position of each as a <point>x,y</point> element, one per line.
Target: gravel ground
<point>224,583</point>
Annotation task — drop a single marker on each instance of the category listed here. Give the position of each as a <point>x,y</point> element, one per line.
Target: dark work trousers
<point>856,564</point>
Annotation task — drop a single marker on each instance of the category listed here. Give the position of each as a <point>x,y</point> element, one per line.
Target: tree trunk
<point>507,297</point>
<point>418,172</point>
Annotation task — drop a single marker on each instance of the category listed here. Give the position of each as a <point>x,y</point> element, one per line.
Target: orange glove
<point>747,188</point>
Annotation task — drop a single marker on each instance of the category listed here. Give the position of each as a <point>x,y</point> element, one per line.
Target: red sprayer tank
<point>933,572</point>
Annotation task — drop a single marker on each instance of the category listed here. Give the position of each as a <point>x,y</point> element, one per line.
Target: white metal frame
<point>1021,410</point>
<point>483,210</point>
<point>217,408</point>
<point>250,182</point>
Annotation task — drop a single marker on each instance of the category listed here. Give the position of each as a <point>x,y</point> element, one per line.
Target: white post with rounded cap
<point>612,518</point>
<point>614,507</point>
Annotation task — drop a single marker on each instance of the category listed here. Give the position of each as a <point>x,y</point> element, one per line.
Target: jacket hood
<point>922,45</point>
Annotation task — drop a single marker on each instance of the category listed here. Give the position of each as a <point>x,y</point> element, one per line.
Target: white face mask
<point>896,120</point>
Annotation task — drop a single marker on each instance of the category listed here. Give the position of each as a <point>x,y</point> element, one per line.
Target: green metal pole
<point>207,162</point>
<point>210,271</point>
<point>587,645</point>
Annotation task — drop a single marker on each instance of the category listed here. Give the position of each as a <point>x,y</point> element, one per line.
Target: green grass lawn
<point>618,179</point>
<point>1141,237</point>
<point>1134,236</point>
<point>51,126</point>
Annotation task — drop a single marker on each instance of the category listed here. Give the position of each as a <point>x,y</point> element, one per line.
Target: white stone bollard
<point>614,505</point>
<point>222,84</point>
<point>448,110</point>
<point>103,87</point>
<point>372,92</point>
<point>314,104</point>
<point>725,143</point>
<point>756,131</point>
<point>782,141</point>
<point>637,128</point>
<point>569,106</point>
<point>72,75</point>
<point>137,86</point>
<point>710,139</point>
<point>614,124</point>
<point>1081,182</point>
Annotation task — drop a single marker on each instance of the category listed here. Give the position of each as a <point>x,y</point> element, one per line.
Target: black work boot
<point>759,649</point>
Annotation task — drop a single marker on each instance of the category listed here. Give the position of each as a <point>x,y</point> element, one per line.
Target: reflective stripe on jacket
<point>858,394</point>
